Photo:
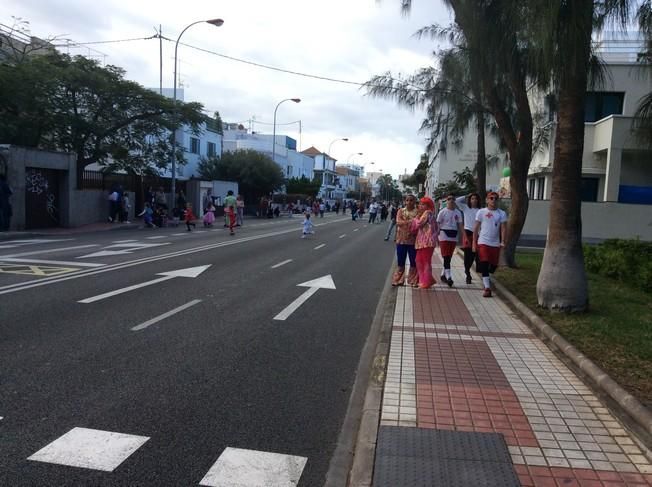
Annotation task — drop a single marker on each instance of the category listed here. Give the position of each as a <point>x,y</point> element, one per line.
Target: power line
<point>281,70</point>
<point>232,58</point>
<point>71,44</point>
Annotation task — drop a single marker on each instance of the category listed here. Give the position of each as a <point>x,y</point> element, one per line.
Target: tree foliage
<point>256,173</point>
<point>303,185</point>
<point>73,104</point>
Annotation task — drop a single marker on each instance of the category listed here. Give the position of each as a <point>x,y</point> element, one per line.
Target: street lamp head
<point>215,22</point>
<point>296,100</point>
<point>345,139</point>
<point>360,153</point>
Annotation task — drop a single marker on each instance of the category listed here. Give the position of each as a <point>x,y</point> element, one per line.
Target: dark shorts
<point>487,253</point>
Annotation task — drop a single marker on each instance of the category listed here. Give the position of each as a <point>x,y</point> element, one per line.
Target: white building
<point>207,143</point>
<point>615,167</point>
<point>324,169</point>
<point>293,164</point>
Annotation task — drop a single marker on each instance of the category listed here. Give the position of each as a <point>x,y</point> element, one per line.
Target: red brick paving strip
<point>461,387</point>
<point>446,308</point>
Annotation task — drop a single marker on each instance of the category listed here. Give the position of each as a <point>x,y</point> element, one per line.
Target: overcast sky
<point>344,39</point>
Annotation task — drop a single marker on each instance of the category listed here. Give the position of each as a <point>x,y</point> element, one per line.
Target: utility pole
<point>160,59</point>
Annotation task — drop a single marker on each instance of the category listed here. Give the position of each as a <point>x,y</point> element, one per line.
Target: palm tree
<point>562,33</point>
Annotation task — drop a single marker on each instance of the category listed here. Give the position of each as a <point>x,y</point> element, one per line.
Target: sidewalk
<point>472,398</point>
<point>59,231</point>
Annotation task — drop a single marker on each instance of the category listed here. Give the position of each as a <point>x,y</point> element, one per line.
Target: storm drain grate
<point>415,457</point>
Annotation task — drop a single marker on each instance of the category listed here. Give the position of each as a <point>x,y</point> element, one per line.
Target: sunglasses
<point>449,199</point>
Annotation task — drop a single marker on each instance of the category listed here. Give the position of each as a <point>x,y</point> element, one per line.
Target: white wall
<point>599,220</point>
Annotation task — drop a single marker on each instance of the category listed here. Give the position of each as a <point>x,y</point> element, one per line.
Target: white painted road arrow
<point>324,282</point>
<point>188,272</point>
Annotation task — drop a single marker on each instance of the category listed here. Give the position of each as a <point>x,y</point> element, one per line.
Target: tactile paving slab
<point>415,457</point>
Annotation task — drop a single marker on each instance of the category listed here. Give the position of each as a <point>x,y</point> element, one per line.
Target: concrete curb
<point>641,415</point>
<point>353,459</point>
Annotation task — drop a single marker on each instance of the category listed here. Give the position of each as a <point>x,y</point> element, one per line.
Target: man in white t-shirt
<point>488,238</point>
<point>449,221</point>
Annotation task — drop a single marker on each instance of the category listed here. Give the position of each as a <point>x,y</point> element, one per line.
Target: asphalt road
<point>221,373</point>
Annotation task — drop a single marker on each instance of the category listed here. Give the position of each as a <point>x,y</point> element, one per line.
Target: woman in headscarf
<point>426,242</point>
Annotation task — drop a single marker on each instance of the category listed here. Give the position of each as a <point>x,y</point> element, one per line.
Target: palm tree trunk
<point>519,206</point>
<point>481,161</point>
<point>562,283</point>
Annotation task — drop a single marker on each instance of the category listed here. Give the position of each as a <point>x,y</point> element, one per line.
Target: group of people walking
<point>419,230</point>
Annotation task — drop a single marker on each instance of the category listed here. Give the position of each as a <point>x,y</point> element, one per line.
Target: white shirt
<point>469,213</point>
<point>448,220</point>
<point>490,221</point>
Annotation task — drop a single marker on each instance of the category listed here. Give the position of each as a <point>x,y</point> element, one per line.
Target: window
<point>589,189</point>
<point>530,188</point>
<point>194,145</point>
<point>601,104</point>
<point>211,151</point>
<point>289,171</point>
<point>541,186</point>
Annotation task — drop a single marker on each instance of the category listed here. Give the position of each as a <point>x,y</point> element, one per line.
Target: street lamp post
<point>345,139</point>
<point>216,23</point>
<point>295,100</point>
<point>360,198</point>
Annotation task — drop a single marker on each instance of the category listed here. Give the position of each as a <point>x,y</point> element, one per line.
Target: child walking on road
<point>307,226</point>
<point>189,217</point>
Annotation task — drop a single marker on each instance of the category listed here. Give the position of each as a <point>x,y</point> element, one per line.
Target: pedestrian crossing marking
<point>89,448</point>
<point>34,270</point>
<point>251,468</point>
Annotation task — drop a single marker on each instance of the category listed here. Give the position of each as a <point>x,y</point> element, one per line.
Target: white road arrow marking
<point>324,282</point>
<point>126,247</point>
<point>189,272</point>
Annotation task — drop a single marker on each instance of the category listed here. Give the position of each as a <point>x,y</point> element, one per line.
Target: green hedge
<point>629,261</point>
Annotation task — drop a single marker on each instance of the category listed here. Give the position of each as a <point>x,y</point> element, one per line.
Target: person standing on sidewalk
<point>488,238</point>
<point>426,241</point>
<point>230,208</point>
<point>469,205</point>
<point>405,239</point>
<point>449,221</point>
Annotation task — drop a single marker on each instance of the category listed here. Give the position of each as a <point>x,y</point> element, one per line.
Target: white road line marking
<point>174,311</point>
<point>177,234</point>
<point>123,241</point>
<point>249,468</point>
<point>154,238</point>
<point>54,262</point>
<point>294,305</point>
<point>319,246</point>
<point>190,272</point>
<point>51,251</point>
<point>281,263</point>
<point>89,448</point>
<point>124,290</point>
<point>342,236</point>
<point>356,229</point>
<point>46,281</point>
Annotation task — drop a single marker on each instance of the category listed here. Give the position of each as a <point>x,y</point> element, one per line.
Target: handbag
<point>450,233</point>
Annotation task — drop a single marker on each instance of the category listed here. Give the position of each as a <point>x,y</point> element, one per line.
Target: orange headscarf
<point>428,202</point>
